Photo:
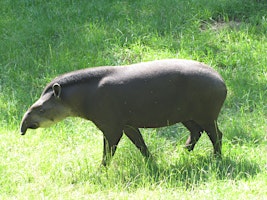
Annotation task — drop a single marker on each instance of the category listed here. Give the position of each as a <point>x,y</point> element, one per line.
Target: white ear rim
<point>56,90</point>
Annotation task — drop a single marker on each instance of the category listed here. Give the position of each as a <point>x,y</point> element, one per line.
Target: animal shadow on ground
<point>185,171</point>
<point>188,170</point>
<point>193,168</point>
<point>130,169</point>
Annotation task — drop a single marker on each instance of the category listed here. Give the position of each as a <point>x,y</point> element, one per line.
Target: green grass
<point>42,39</point>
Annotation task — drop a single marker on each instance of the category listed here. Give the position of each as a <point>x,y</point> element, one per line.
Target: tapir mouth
<point>25,126</point>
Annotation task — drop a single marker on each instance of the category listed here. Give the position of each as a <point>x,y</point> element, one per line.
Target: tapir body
<point>125,98</point>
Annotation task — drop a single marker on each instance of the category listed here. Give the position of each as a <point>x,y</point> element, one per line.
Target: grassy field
<point>42,39</point>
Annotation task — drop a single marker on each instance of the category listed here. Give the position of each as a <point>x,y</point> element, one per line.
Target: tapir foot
<point>189,147</point>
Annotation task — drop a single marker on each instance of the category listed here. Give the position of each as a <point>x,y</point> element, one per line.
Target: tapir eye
<point>42,111</point>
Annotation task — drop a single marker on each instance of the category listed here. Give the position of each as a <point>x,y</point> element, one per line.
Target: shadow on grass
<point>198,169</point>
<point>186,171</point>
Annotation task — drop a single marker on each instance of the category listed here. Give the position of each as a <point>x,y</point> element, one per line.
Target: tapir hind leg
<point>195,133</point>
<point>135,136</point>
<point>215,136</point>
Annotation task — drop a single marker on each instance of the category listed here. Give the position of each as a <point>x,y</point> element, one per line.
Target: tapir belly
<point>153,113</point>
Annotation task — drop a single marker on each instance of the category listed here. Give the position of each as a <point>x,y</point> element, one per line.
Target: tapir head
<point>46,111</point>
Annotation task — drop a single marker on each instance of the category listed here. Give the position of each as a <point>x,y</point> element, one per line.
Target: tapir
<point>122,99</point>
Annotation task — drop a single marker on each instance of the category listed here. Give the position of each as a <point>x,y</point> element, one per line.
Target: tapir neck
<point>79,97</point>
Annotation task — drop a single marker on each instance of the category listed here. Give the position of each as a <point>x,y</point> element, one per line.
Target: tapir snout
<point>26,123</point>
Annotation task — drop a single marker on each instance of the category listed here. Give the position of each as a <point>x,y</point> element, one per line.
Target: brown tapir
<point>124,98</point>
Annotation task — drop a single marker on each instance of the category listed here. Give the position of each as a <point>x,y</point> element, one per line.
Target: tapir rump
<point>122,99</point>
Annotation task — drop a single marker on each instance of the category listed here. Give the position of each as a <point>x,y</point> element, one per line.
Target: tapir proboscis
<point>122,99</point>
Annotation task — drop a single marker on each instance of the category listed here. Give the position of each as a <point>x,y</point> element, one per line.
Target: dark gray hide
<point>145,95</point>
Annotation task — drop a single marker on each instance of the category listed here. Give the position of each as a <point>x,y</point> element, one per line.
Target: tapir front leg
<point>135,136</point>
<point>111,140</point>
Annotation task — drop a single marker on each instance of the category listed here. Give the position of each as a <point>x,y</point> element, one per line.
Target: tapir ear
<point>57,90</point>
